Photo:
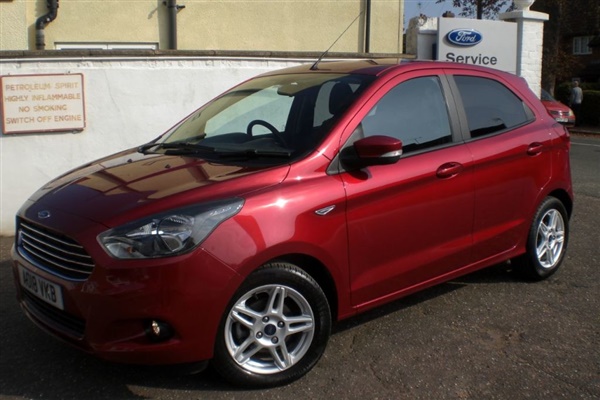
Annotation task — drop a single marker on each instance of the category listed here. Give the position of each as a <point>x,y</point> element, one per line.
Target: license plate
<point>41,288</point>
<point>562,119</point>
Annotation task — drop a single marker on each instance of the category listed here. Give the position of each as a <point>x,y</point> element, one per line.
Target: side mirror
<point>373,150</point>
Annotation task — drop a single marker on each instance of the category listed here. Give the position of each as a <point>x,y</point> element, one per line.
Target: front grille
<point>53,317</point>
<point>54,253</point>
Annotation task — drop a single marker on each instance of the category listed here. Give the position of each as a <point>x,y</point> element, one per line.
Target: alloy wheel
<point>269,329</point>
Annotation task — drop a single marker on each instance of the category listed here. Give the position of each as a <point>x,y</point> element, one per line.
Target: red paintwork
<point>374,147</point>
<point>395,228</point>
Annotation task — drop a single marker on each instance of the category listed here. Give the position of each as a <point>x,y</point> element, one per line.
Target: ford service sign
<point>464,37</point>
<point>461,40</point>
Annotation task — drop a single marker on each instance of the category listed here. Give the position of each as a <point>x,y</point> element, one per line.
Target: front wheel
<point>275,329</point>
<point>547,241</point>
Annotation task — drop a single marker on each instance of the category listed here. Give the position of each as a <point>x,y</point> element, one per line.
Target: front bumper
<point>109,313</point>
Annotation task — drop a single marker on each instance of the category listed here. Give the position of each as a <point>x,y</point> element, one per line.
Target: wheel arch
<point>564,198</point>
<point>319,272</point>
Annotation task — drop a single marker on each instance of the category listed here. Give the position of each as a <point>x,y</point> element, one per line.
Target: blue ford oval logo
<point>464,37</point>
<point>44,214</point>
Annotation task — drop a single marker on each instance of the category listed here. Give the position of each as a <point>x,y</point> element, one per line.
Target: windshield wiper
<point>177,147</point>
<point>186,147</point>
<point>255,153</point>
<point>142,149</point>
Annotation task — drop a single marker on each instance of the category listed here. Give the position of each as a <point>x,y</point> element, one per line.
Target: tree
<point>556,62</point>
<point>488,9</point>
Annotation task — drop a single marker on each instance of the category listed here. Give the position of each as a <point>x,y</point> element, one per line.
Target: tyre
<point>547,241</point>
<point>275,328</point>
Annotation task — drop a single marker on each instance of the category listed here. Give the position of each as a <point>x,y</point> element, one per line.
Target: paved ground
<point>585,130</point>
<point>485,336</point>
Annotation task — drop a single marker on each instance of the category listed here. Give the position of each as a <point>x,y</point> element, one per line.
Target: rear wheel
<point>547,241</point>
<point>275,330</point>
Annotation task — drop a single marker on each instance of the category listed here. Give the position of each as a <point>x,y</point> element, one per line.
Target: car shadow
<point>500,273</point>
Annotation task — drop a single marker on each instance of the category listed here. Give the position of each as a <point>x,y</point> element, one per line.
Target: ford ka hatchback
<point>298,198</point>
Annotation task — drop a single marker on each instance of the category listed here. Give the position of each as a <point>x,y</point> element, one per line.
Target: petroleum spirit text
<point>29,87</point>
<point>43,118</point>
<point>44,97</point>
<point>18,87</point>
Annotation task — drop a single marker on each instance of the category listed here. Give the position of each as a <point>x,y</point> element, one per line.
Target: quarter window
<point>415,112</point>
<point>490,106</point>
<point>105,46</point>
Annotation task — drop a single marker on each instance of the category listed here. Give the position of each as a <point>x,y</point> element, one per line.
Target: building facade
<point>572,41</point>
<point>251,25</point>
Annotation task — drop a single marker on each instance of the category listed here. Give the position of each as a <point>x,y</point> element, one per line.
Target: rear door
<point>512,161</point>
<point>411,221</point>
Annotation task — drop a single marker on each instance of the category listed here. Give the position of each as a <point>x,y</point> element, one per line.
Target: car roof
<point>380,66</point>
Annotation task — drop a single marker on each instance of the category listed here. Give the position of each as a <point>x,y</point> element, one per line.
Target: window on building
<point>581,45</point>
<point>105,46</point>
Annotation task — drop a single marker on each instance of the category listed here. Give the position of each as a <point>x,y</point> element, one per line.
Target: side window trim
<point>459,108</point>
<point>452,105</point>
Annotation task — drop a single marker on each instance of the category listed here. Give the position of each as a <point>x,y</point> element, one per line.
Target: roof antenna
<point>315,66</point>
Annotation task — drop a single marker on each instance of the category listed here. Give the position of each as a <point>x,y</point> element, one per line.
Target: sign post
<point>530,42</point>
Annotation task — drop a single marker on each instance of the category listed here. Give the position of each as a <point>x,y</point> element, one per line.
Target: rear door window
<point>490,107</point>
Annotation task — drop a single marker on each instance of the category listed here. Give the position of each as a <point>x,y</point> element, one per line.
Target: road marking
<point>585,144</point>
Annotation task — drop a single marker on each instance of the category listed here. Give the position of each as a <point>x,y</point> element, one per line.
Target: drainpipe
<point>173,9</point>
<point>40,24</point>
<point>368,28</point>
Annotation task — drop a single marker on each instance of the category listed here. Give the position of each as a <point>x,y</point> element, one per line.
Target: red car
<point>296,199</point>
<point>560,112</point>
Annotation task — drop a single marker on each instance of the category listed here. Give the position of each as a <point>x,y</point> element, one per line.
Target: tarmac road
<point>484,336</point>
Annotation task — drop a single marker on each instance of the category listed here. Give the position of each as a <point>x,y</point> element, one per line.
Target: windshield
<point>547,96</point>
<point>281,116</point>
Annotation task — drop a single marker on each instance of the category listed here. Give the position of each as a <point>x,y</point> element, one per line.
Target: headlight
<point>169,233</point>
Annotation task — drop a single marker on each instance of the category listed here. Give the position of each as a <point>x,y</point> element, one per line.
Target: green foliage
<point>590,86</point>
<point>590,108</point>
<point>563,92</point>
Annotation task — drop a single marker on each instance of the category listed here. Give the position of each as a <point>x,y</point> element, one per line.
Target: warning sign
<point>42,103</point>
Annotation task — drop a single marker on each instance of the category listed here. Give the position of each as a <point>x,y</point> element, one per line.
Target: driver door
<point>411,221</point>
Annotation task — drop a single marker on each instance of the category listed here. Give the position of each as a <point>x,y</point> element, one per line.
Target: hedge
<point>590,108</point>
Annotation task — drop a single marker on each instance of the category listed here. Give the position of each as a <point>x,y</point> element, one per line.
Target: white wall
<point>128,101</point>
<point>421,35</point>
<point>530,45</point>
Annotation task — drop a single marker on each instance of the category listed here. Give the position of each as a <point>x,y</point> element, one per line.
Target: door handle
<point>535,148</point>
<point>448,170</point>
